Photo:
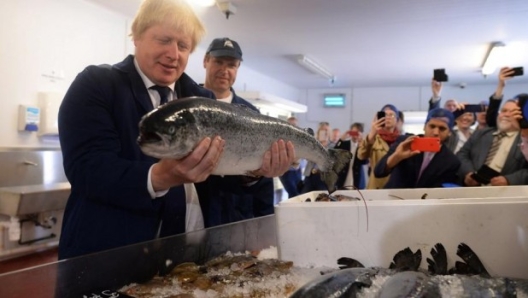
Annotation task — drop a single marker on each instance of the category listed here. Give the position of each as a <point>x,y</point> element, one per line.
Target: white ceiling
<point>369,42</point>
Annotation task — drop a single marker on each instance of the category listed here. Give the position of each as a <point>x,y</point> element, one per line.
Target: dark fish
<point>405,280</point>
<point>338,284</point>
<point>175,129</point>
<point>405,284</point>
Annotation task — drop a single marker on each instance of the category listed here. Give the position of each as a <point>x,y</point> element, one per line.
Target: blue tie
<point>164,93</point>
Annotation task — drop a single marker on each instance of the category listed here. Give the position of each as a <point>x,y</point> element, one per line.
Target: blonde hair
<point>177,13</point>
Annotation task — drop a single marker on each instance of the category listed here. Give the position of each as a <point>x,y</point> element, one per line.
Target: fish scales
<point>176,128</point>
<point>249,135</point>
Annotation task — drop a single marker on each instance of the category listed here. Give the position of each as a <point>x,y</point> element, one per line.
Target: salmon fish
<point>175,129</point>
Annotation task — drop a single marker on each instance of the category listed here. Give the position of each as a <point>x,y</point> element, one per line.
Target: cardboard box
<point>493,221</point>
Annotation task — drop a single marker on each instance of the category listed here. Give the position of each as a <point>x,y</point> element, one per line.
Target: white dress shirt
<point>193,216</point>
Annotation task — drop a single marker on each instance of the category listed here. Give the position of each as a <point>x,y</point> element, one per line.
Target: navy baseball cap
<point>224,47</point>
<point>441,114</point>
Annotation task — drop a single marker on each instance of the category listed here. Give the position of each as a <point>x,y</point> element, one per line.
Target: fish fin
<point>473,262</point>
<point>340,158</point>
<point>438,265</point>
<point>406,260</point>
<point>345,262</point>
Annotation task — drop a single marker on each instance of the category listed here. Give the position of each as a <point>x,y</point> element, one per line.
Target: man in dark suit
<point>230,198</point>
<point>351,177</point>
<point>497,148</point>
<point>119,196</point>
<point>416,169</point>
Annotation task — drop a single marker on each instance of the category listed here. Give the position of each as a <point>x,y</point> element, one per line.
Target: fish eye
<point>171,129</point>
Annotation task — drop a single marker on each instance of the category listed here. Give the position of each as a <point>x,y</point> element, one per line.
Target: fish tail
<point>340,158</point>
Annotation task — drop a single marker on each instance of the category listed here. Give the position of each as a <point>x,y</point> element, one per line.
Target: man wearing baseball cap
<point>221,62</point>
<point>416,169</point>
<point>231,198</point>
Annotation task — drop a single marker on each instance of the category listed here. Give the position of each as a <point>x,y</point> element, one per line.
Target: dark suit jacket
<point>109,205</point>
<point>441,169</point>
<point>356,167</point>
<point>474,152</point>
<point>227,199</point>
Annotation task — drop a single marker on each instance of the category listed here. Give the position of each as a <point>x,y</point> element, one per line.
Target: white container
<point>315,234</point>
<point>428,193</point>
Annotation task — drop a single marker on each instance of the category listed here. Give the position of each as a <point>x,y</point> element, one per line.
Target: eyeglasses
<point>390,115</point>
<point>324,123</point>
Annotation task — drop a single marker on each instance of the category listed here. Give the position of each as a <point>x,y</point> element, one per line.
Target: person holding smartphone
<point>351,177</point>
<point>382,134</point>
<point>495,100</point>
<point>495,152</point>
<point>430,164</point>
<point>436,87</point>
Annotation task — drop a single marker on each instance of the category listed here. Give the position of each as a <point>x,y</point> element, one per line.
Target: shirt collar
<point>508,134</point>
<point>148,83</point>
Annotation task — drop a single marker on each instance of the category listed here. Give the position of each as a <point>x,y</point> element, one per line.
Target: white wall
<point>64,36</point>
<point>41,36</point>
<point>362,103</point>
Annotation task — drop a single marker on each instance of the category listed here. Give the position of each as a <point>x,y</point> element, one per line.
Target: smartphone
<point>474,108</point>
<point>426,144</point>
<point>353,133</point>
<point>523,104</point>
<point>380,115</point>
<point>439,75</point>
<point>484,174</point>
<point>517,71</point>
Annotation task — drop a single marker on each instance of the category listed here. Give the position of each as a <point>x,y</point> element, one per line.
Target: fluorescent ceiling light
<point>265,99</point>
<point>314,67</point>
<point>493,58</point>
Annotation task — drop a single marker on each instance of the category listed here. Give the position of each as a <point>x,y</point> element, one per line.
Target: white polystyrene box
<point>316,234</point>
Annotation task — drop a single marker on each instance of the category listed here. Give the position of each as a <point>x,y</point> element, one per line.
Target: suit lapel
<point>136,83</point>
<point>485,145</point>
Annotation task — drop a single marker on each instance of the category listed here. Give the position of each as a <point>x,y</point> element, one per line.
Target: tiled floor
<point>35,259</point>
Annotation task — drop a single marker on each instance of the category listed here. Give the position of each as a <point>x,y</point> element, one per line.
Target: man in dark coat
<point>119,196</point>
<point>415,169</point>
<point>231,198</point>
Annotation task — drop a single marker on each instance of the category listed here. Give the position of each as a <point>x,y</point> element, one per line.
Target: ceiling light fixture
<point>227,8</point>
<point>315,67</point>
<point>493,58</point>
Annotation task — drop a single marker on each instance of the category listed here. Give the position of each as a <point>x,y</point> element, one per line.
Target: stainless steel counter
<point>28,199</point>
<point>113,269</point>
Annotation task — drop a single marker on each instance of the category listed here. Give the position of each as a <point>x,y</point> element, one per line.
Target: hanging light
<point>493,58</point>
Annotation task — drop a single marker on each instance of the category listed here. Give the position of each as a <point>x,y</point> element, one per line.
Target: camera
<point>440,75</point>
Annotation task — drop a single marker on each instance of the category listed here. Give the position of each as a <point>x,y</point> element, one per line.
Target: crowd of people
<point>120,196</point>
<point>485,148</point>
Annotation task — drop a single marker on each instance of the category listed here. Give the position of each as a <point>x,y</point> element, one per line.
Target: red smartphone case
<point>426,144</point>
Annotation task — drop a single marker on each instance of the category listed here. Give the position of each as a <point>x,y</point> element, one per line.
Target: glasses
<point>390,115</point>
